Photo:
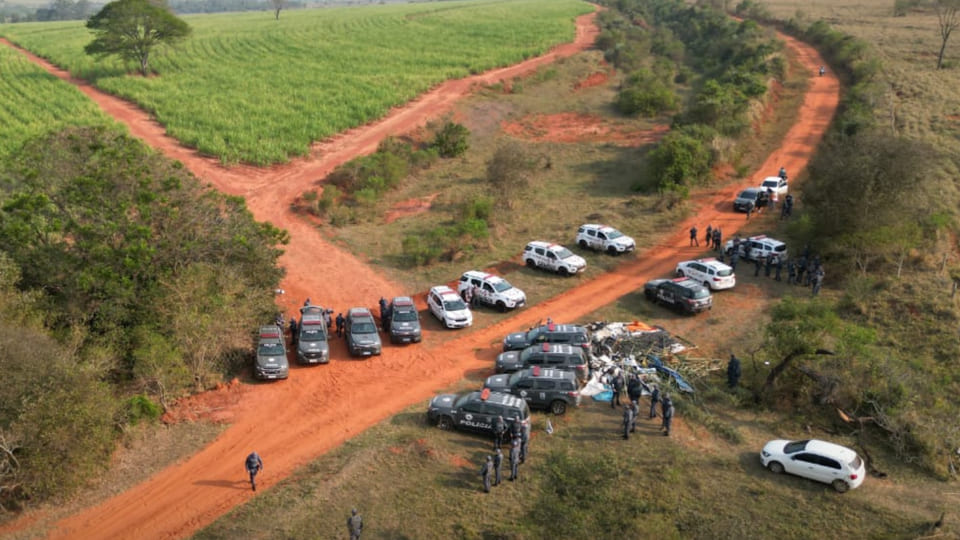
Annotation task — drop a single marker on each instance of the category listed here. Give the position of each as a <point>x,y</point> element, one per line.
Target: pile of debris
<point>633,348</point>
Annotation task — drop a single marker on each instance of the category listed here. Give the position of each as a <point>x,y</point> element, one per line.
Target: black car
<point>682,294</point>
<point>404,321</point>
<point>547,333</point>
<point>754,197</point>
<point>476,411</point>
<point>363,338</point>
<point>551,389</point>
<point>548,355</point>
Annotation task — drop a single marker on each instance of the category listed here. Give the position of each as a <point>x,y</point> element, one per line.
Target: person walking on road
<point>355,525</point>
<point>253,464</point>
<point>485,473</point>
<point>667,408</point>
<point>693,236</point>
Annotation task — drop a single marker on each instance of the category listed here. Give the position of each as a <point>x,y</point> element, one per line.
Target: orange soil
<point>289,423</point>
<point>595,79</point>
<point>576,127</point>
<point>410,207</point>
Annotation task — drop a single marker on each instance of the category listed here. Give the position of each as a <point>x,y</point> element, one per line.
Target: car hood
<point>313,346</point>
<point>497,383</point>
<point>445,401</point>
<point>775,447</point>
<point>508,359</point>
<point>515,340</point>
<point>271,360</point>
<point>514,294</point>
<point>624,241</point>
<point>459,314</point>
<point>575,260</point>
<point>406,325</point>
<point>364,339</point>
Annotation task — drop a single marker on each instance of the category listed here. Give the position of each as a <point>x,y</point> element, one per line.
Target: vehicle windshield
<point>503,285</point>
<point>613,234</point>
<point>454,305</point>
<point>781,248</point>
<point>461,401</point>
<point>364,328</point>
<point>795,446</point>
<point>312,335</point>
<point>270,349</point>
<point>532,335</point>
<point>748,194</point>
<point>724,272</point>
<point>564,253</point>
<point>514,378</point>
<point>699,293</point>
<point>771,183</point>
<point>526,353</point>
<point>404,316</point>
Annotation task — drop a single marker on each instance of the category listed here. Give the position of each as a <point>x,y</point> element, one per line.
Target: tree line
<point>124,283</point>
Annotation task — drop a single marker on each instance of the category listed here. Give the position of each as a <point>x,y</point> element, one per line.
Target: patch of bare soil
<point>410,207</point>
<point>577,127</point>
<point>594,79</point>
<point>318,408</point>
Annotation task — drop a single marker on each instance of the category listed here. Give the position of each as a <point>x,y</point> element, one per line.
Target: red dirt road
<point>292,422</point>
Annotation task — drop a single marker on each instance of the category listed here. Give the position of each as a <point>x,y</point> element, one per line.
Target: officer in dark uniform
<point>617,385</point>
<point>791,272</point>
<point>514,459</point>
<point>733,371</point>
<point>654,398</point>
<point>733,260</point>
<point>635,407</point>
<point>628,419</point>
<point>634,390</point>
<point>253,464</point>
<point>497,462</point>
<point>667,407</point>
<point>383,312</point>
<point>709,236</point>
<point>717,238</point>
<point>485,473</point>
<point>769,265</point>
<point>757,263</point>
<point>693,236</point>
<point>355,524</point>
<point>499,430</point>
<point>801,267</point>
<point>293,330</point>
<point>524,442</point>
<point>340,322</point>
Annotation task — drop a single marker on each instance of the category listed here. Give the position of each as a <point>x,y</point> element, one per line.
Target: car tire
<point>558,407</point>
<point>775,467</point>
<point>563,271</point>
<point>706,285</point>
<point>612,250</point>
<point>531,264</point>
<point>649,295</point>
<point>840,486</point>
<point>680,273</point>
<point>583,244</point>
<point>445,423</point>
<point>502,307</point>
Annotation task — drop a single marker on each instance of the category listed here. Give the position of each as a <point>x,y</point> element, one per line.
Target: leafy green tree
<point>133,29</point>
<point>681,160</point>
<point>452,140</point>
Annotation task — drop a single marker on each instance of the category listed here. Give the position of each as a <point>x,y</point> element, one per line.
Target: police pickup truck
<point>682,294</point>
<point>476,411</point>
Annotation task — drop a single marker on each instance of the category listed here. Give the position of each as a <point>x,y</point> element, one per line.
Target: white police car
<point>492,290</point>
<point>553,257</point>
<point>604,238</point>
<point>776,184</point>
<point>447,306</point>
<point>760,246</point>
<point>711,272</point>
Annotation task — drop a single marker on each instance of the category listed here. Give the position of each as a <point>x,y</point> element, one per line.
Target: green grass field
<point>33,102</point>
<point>246,87</point>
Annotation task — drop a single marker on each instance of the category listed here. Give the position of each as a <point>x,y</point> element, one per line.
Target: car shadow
<point>231,484</point>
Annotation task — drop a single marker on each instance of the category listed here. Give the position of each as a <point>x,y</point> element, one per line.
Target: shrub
<point>645,94</point>
<point>681,160</point>
<point>508,171</point>
<point>452,140</point>
<point>140,407</point>
<point>331,195</point>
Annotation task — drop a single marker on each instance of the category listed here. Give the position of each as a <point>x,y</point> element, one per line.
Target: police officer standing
<point>757,262</point>
<point>514,458</point>
<point>499,430</point>
<point>709,237</point>
<point>654,398</point>
<point>524,442</point>
<point>633,389</point>
<point>340,321</point>
<point>628,419</point>
<point>485,472</point>
<point>717,238</point>
<point>667,407</point>
<point>293,330</point>
<point>791,272</point>
<point>355,525</point>
<point>635,407</point>
<point>733,260</point>
<point>497,462</point>
<point>733,371</point>
<point>693,236</point>
<point>769,265</point>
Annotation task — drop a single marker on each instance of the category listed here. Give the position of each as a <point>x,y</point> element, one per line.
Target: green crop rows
<point>33,102</point>
<point>246,87</point>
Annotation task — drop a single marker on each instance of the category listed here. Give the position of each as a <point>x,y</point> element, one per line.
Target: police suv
<point>551,389</point>
<point>560,356</point>
<point>404,321</point>
<point>312,345</point>
<point>553,257</point>
<point>547,333</point>
<point>271,361</point>
<point>682,294</point>
<point>711,272</point>
<point>476,411</point>
<point>492,290</point>
<point>363,338</point>
<point>447,306</point>
<point>758,246</point>
<point>604,238</point>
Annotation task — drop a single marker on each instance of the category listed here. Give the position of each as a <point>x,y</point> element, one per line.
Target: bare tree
<point>948,18</point>
<point>277,6</point>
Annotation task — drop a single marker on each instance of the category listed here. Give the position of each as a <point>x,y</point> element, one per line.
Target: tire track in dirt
<point>317,409</point>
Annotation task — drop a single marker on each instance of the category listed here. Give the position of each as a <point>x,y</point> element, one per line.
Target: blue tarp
<point>682,385</point>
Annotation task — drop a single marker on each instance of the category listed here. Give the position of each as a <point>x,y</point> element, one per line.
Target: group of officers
<point>519,435</point>
<point>634,389</point>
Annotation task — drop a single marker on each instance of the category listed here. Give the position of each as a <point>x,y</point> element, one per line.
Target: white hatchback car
<point>822,461</point>
<point>604,238</point>
<point>553,257</point>
<point>712,273</point>
<point>447,306</point>
<point>777,184</point>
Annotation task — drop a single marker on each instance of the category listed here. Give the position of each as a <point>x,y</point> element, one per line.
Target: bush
<point>140,407</point>
<point>508,171</point>
<point>680,160</point>
<point>645,94</point>
<point>331,195</point>
<point>452,140</point>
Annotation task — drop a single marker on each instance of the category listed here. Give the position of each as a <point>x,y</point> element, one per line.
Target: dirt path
<point>317,409</point>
